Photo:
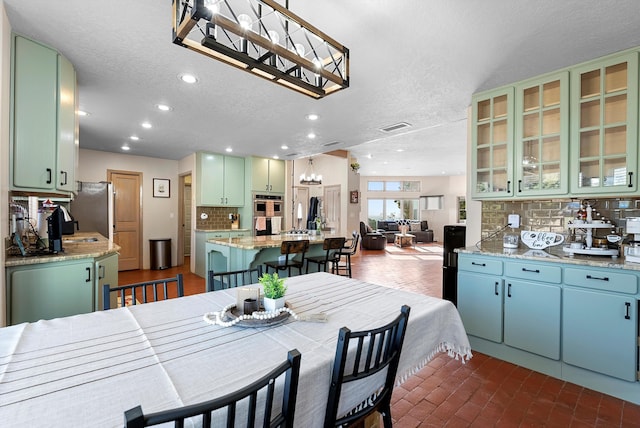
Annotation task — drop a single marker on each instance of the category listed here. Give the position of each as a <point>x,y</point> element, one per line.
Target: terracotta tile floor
<point>484,392</point>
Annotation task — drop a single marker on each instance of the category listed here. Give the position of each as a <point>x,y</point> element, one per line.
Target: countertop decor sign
<point>268,41</point>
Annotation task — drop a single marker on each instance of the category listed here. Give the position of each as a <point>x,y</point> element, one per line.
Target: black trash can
<point>160,253</point>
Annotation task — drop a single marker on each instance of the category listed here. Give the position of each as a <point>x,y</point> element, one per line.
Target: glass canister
<point>510,240</point>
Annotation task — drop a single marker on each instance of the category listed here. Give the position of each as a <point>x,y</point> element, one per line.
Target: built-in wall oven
<point>265,208</point>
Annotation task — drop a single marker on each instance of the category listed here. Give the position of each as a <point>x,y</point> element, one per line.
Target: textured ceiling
<point>414,61</point>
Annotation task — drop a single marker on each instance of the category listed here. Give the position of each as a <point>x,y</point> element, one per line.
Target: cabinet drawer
<point>602,280</point>
<point>480,265</point>
<point>533,271</point>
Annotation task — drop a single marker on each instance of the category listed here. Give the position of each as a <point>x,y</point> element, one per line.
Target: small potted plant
<point>274,290</point>
<point>355,166</point>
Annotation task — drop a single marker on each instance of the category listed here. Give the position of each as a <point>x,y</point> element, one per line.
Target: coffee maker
<point>54,230</point>
<point>632,250</point>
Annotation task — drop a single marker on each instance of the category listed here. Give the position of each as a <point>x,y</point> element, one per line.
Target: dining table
<point>87,370</point>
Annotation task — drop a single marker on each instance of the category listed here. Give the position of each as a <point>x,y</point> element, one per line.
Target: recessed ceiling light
<point>369,156</point>
<point>399,150</point>
<point>163,107</point>
<point>276,157</point>
<point>228,149</point>
<point>126,148</point>
<point>284,147</point>
<point>146,125</point>
<point>188,78</point>
<point>83,113</point>
<point>134,138</point>
<point>311,135</point>
<point>312,116</point>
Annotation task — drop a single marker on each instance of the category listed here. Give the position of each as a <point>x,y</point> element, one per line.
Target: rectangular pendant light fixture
<point>266,39</point>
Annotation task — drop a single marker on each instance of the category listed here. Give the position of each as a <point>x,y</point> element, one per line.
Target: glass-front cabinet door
<point>604,131</point>
<point>492,136</point>
<point>542,136</point>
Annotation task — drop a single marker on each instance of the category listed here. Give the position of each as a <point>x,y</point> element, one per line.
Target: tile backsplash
<point>218,218</point>
<point>553,215</point>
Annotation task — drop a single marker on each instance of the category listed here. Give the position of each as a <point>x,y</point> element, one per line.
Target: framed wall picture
<point>353,196</point>
<point>161,188</point>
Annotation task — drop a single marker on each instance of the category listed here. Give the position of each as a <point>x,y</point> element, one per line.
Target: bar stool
<point>289,249</point>
<point>331,247</point>
<point>347,252</point>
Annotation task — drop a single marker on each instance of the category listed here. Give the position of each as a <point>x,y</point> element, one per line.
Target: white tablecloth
<point>86,370</point>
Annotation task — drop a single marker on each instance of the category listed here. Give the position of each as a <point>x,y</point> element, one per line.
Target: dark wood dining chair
<point>367,352</point>
<point>290,370</point>
<point>344,268</point>
<point>143,292</point>
<point>291,250</point>
<point>331,246</point>
<point>233,279</point>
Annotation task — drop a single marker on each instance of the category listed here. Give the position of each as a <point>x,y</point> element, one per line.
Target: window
<point>392,209</point>
<point>432,202</point>
<point>393,186</point>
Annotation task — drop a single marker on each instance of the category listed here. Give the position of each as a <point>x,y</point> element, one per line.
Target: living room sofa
<point>372,240</point>
<point>418,228</point>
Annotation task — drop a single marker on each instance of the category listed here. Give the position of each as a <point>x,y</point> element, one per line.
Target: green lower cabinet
<point>480,305</point>
<point>50,290</point>
<point>532,317</point>
<point>106,272</point>
<point>600,332</point>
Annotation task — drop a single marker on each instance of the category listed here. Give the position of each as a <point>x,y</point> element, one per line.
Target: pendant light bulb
<point>300,49</point>
<point>274,37</point>
<point>212,5</point>
<point>245,21</point>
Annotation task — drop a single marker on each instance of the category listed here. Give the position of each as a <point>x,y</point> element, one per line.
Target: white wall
<point>449,186</point>
<point>159,215</point>
<point>5,67</point>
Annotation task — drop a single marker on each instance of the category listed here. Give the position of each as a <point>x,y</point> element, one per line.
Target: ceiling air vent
<point>292,154</point>
<point>332,143</point>
<point>395,127</point>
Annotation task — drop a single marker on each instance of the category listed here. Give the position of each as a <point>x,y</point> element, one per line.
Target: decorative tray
<point>235,313</point>
<point>231,315</point>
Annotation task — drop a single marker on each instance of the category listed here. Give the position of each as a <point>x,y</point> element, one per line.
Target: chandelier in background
<point>309,177</point>
<point>266,39</point>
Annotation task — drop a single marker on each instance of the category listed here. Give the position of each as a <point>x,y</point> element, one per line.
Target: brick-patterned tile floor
<point>484,392</point>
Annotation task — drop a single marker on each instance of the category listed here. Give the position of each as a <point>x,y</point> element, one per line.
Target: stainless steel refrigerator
<point>92,208</point>
<point>454,237</point>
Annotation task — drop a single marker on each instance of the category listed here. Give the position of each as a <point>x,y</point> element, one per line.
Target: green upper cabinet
<point>542,136</point>
<point>267,175</point>
<point>604,127</point>
<point>43,119</point>
<point>67,123</point>
<point>220,180</point>
<point>492,139</point>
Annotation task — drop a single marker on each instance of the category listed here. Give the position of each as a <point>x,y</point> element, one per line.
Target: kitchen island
<point>48,286</point>
<point>571,317</point>
<point>251,251</point>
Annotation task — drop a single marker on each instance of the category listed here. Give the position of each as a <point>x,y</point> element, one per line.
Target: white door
<point>332,206</point>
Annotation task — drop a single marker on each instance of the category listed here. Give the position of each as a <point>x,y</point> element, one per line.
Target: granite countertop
<point>261,242</point>
<point>72,250</point>
<point>221,230</point>
<point>551,254</point>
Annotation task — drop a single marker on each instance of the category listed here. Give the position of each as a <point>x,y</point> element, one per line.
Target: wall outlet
<point>514,221</point>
